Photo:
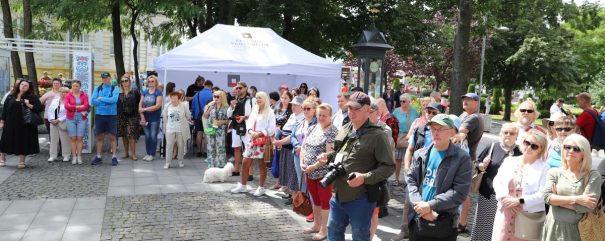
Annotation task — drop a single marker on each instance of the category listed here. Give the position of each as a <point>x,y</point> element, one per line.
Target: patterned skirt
<point>254,152</point>
<point>129,127</point>
<point>287,173</point>
<point>484,218</point>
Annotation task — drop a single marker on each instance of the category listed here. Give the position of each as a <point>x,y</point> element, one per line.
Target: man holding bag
<point>438,182</point>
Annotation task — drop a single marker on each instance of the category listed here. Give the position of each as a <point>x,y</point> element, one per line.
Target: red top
<point>586,123</point>
<point>70,105</point>
<point>392,122</point>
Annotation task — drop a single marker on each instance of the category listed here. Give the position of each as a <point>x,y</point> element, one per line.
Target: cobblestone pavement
<point>197,216</point>
<point>42,179</point>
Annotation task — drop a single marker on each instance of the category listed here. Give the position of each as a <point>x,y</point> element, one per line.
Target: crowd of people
<point>342,155</point>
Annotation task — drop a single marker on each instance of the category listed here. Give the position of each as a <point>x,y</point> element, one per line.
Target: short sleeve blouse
<point>315,144</point>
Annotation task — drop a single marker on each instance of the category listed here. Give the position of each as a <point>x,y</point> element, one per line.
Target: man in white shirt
<point>341,117</point>
<point>557,106</point>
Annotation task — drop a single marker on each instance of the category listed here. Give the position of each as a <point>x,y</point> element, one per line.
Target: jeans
<point>358,212</point>
<point>298,170</point>
<point>151,137</point>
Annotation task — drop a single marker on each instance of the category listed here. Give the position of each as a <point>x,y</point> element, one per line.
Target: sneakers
<point>74,160</point>
<point>52,159</point>
<point>79,160</point>
<point>259,192</point>
<point>240,188</point>
<point>181,164</point>
<point>166,166</point>
<point>148,158</point>
<point>65,158</point>
<point>96,161</point>
<point>114,161</point>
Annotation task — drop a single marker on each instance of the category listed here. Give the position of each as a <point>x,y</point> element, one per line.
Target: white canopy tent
<point>226,54</point>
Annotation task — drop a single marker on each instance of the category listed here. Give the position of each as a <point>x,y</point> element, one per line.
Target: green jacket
<point>369,151</point>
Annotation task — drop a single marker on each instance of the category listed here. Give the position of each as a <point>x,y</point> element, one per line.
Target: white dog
<point>215,174</point>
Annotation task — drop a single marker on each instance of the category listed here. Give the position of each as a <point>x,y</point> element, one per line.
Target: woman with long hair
<point>303,90</point>
<point>284,129</point>
<point>176,124</point>
<point>76,104</point>
<point>129,127</point>
<point>519,184</point>
<point>571,191</point>
<point>150,109</point>
<point>57,117</point>
<point>217,119</point>
<point>19,138</point>
<point>489,161</point>
<point>260,125</point>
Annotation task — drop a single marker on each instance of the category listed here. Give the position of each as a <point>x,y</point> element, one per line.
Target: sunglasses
<point>125,81</point>
<point>526,110</point>
<point>238,88</point>
<point>307,108</point>
<point>512,133</point>
<point>532,145</point>
<point>563,129</point>
<point>432,112</point>
<point>572,148</point>
<point>216,96</point>
<point>403,101</point>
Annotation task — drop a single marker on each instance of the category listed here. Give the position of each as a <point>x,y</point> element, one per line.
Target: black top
<point>498,154</point>
<point>192,90</point>
<point>128,103</point>
<point>240,107</point>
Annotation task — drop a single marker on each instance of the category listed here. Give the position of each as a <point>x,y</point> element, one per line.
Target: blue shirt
<point>428,138</point>
<point>104,100</point>
<point>150,100</point>
<point>403,119</point>
<point>432,165</point>
<point>554,157</point>
<point>199,102</point>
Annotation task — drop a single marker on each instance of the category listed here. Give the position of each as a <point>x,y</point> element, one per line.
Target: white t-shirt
<point>554,109</point>
<point>173,124</point>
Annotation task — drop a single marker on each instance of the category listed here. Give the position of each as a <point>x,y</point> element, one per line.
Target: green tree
<point>8,33</point>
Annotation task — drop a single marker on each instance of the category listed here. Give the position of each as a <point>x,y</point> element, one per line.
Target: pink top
<point>70,105</point>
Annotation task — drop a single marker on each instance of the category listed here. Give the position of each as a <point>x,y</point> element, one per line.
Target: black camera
<point>335,169</point>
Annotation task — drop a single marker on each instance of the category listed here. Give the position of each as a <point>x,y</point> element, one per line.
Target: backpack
<point>598,135</point>
<point>110,93</point>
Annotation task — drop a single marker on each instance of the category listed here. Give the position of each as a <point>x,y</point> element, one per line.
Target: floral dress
<point>217,156</point>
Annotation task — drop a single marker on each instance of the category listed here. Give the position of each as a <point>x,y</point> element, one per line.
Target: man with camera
<point>360,163</point>
<point>438,182</point>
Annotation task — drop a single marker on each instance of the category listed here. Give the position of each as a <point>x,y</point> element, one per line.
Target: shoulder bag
<point>210,130</point>
<point>300,200</point>
<point>402,139</point>
<point>592,223</point>
<point>439,228</point>
<point>62,124</point>
<point>478,176</point>
<point>30,117</point>
<point>528,226</point>
<point>259,141</point>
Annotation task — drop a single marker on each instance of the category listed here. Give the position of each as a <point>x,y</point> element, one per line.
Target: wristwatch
<point>521,201</point>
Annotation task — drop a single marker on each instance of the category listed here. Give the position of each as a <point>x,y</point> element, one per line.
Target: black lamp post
<point>371,48</point>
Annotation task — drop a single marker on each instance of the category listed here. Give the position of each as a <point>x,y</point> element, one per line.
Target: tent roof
<point>227,48</point>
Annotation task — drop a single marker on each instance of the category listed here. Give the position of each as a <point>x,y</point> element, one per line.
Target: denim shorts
<point>76,126</point>
<point>106,124</point>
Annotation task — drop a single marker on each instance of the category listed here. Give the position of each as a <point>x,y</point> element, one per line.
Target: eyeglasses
<point>532,145</point>
<point>512,133</point>
<point>526,110</point>
<point>307,108</point>
<point>216,96</point>
<point>563,129</point>
<point>238,88</point>
<point>572,148</point>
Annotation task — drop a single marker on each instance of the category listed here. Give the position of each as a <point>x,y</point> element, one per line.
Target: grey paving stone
<point>147,189</point>
<point>90,203</point>
<point>121,191</point>
<point>4,205</point>
<point>82,233</point>
<point>191,179</point>
<point>12,235</point>
<point>146,181</point>
<point>51,205</point>
<point>16,221</point>
<point>51,219</point>
<point>173,188</point>
<point>41,180</point>
<point>91,216</point>
<point>24,206</point>
<point>121,181</point>
<point>43,233</point>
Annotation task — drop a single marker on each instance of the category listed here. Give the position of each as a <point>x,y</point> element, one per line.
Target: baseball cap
<point>434,105</point>
<point>358,99</point>
<point>297,100</point>
<point>443,120</point>
<point>473,96</point>
<point>105,75</point>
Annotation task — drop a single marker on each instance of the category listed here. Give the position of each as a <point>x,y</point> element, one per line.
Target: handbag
<point>275,164</point>
<point>528,225</point>
<point>30,117</point>
<point>441,227</point>
<point>402,139</point>
<point>591,225</point>
<point>259,141</point>
<point>62,126</point>
<point>300,201</point>
<point>268,154</point>
<point>478,177</point>
<point>378,193</point>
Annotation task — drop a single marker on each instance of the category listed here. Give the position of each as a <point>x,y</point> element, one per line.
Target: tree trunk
<point>29,56</point>
<point>459,80</point>
<point>209,12</point>
<point>287,27</point>
<point>135,45</point>
<point>230,15</point>
<point>8,33</point>
<point>117,39</point>
<point>508,98</point>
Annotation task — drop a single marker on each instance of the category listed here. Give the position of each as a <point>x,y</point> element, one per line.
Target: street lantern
<point>371,48</point>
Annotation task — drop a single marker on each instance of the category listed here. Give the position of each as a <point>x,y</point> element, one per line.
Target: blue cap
<point>473,96</point>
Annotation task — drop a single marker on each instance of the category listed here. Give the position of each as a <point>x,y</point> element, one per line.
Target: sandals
<point>275,187</point>
<point>462,228</point>
<point>21,165</point>
<point>125,157</point>
<point>310,230</point>
<point>134,158</point>
<point>318,237</point>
